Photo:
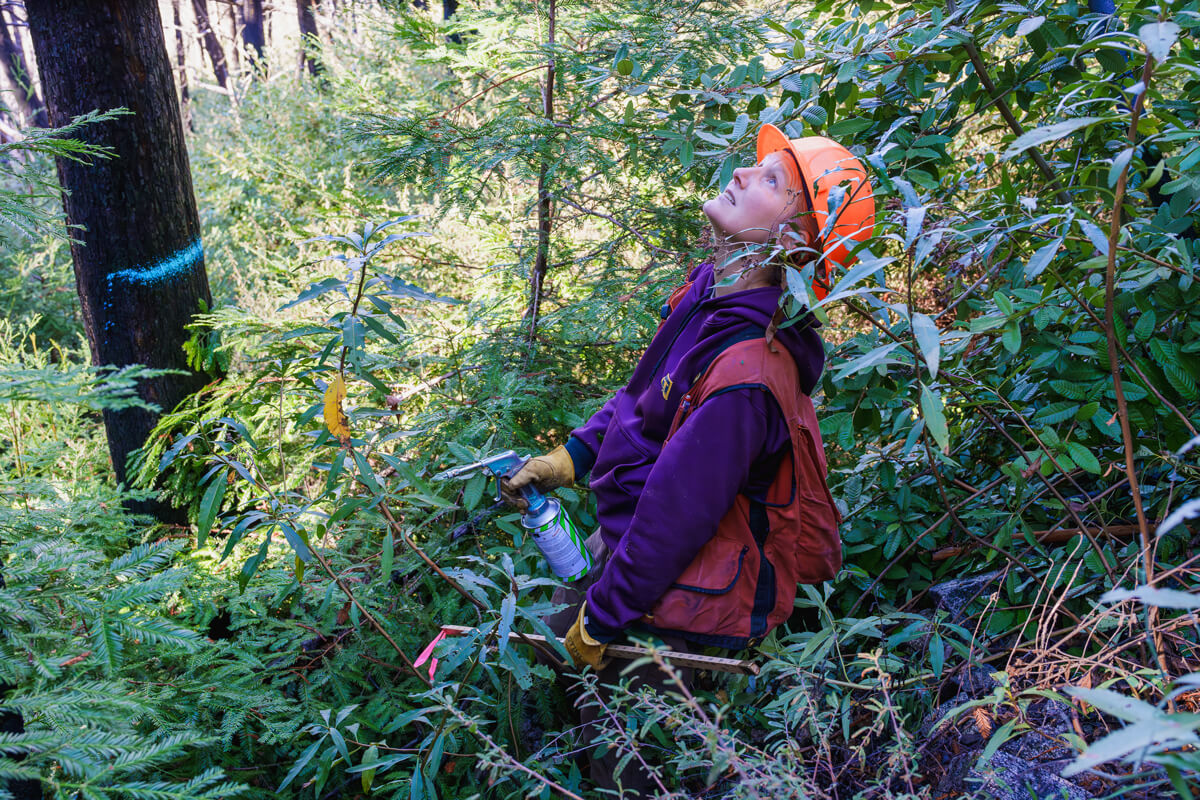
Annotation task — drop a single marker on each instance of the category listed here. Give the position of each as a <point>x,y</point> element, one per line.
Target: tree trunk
<point>232,8</point>
<point>449,9</point>
<point>181,63</point>
<point>545,210</point>
<point>12,61</point>
<point>309,41</point>
<point>215,54</point>
<point>139,263</point>
<point>252,31</point>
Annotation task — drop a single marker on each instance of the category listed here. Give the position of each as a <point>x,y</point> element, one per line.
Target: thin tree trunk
<point>545,209</point>
<point>252,32</point>
<point>215,54</point>
<point>308,37</point>
<point>12,56</point>
<point>232,8</point>
<point>139,263</point>
<point>185,105</point>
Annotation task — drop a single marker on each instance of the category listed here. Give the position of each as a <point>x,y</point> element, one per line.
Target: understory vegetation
<point>421,249</point>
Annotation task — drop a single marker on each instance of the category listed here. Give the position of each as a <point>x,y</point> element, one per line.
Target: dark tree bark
<point>211,43</point>
<point>252,30</point>
<point>449,9</point>
<point>12,61</point>
<point>139,264</point>
<point>545,210</point>
<point>181,63</point>
<point>308,37</point>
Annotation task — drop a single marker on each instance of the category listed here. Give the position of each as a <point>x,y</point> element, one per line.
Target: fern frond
<point>211,784</point>
<point>155,631</point>
<point>106,642</point>
<point>145,558</point>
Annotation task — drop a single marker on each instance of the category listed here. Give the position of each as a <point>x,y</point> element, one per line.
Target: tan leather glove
<point>545,473</point>
<point>582,647</point>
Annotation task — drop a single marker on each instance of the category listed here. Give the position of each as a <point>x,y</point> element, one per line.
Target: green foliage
<point>968,406</point>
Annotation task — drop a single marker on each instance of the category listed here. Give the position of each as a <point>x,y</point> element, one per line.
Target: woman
<point>707,466</point>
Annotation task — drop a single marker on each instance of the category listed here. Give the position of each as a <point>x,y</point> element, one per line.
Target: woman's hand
<point>544,473</point>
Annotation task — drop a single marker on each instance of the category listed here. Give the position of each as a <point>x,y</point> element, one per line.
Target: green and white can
<point>557,537</point>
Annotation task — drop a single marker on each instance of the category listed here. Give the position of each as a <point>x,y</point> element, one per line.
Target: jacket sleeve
<point>584,442</point>
<point>692,485</point>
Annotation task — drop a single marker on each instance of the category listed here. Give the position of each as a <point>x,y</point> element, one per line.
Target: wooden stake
<point>629,653</point>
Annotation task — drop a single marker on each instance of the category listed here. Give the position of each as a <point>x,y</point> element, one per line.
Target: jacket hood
<point>757,306</point>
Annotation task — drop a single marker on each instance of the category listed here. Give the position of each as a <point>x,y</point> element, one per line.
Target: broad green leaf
<point>1010,337</point>
<point>914,218</point>
<point>210,505</point>
<point>934,416</point>
<point>1159,38</point>
<point>352,333</point>
<point>1049,133</point>
<point>1002,735</point>
<point>1042,258</point>
<point>300,763</point>
<point>1153,596</point>
<point>1119,163</point>
<point>508,607</point>
<point>929,340</point>
<point>877,356</point>
<point>296,541</point>
<point>1097,237</point>
<point>1083,457</point>
<point>365,472</point>
<point>368,775</point>
<point>387,555</point>
<point>1029,25</point>
<point>1159,732</point>
<point>315,290</point>
<point>1118,705</point>
<point>1186,511</point>
<point>416,787</point>
<point>473,490</point>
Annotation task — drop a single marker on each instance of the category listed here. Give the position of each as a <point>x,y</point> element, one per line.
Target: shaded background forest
<point>1011,365</point>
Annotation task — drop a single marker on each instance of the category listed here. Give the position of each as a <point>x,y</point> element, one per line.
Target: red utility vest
<point>742,583</point>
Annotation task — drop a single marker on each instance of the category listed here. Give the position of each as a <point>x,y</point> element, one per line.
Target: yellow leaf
<point>335,418</point>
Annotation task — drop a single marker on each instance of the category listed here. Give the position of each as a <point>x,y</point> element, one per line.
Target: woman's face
<point>756,202</point>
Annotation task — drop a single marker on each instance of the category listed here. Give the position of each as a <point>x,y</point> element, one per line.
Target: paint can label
<point>561,544</point>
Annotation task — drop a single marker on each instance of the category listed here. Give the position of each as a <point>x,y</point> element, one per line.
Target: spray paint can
<point>556,536</point>
<point>546,520</point>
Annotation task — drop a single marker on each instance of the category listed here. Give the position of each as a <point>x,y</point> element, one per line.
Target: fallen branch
<point>1053,536</point>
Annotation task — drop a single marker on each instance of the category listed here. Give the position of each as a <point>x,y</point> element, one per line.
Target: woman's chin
<point>712,210</point>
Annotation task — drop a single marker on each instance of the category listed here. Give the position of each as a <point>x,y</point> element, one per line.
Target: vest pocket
<point>713,581</point>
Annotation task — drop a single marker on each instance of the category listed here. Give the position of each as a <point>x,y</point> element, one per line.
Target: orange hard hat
<point>824,164</point>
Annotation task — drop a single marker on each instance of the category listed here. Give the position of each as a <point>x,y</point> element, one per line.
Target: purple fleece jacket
<point>659,504</point>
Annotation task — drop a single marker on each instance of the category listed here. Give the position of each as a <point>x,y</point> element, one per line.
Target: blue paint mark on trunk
<point>178,263</point>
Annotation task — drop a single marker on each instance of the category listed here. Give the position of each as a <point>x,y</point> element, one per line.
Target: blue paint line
<point>178,263</point>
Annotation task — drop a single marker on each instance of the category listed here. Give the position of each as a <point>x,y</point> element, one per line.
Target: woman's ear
<point>797,242</point>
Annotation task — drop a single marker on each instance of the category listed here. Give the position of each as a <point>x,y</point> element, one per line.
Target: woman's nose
<point>739,176</point>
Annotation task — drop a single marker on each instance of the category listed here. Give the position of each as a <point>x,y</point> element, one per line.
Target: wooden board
<point>629,653</point>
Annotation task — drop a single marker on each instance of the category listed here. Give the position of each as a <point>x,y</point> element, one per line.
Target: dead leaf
<point>335,417</point>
